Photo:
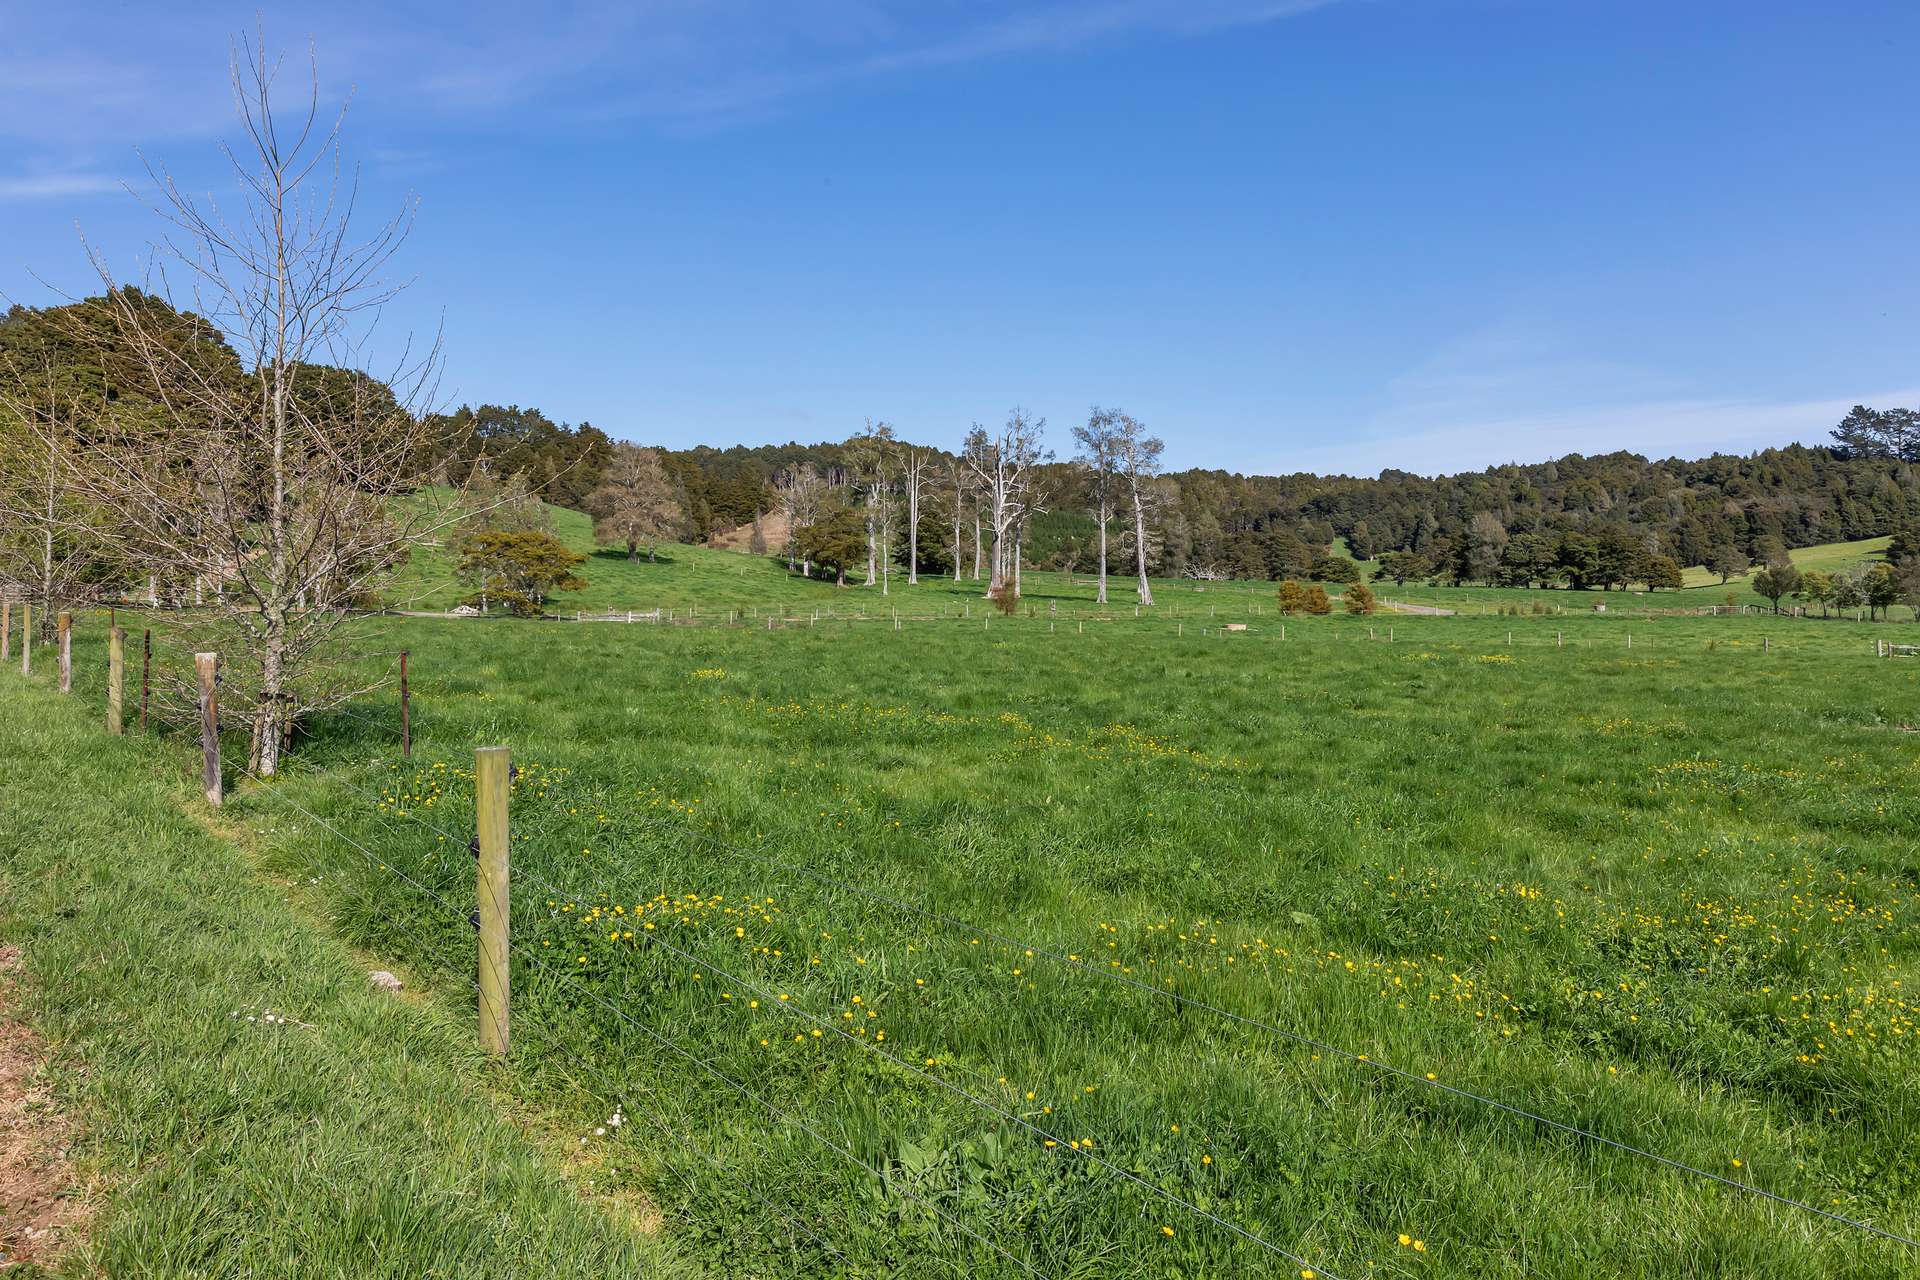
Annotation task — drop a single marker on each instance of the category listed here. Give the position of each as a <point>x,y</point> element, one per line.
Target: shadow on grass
<point>619,555</point>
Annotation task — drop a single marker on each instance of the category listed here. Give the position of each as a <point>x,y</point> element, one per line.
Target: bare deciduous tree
<point>1099,456</point>
<point>915,465</point>
<point>286,482</point>
<point>800,492</point>
<point>53,542</point>
<point>870,460</point>
<point>636,501</point>
<point>957,473</point>
<point>1137,456</point>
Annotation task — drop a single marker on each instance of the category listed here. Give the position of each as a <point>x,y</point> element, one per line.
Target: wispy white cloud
<point>56,186</point>
<point>1511,393</point>
<point>1686,428</point>
<point>65,81</point>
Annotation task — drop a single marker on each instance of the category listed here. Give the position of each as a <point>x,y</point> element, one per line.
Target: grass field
<point>1662,893</point>
<point>248,1105</point>
<point>722,581</point>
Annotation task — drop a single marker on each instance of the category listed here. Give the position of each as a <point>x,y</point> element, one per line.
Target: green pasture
<point>1661,890</point>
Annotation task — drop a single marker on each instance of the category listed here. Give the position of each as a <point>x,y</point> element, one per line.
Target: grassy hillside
<point>723,581</point>
<point>248,1104</point>
<point>1832,557</point>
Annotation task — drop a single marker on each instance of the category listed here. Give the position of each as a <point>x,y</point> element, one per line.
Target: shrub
<point>1293,597</point>
<point>1334,569</point>
<point>1005,599</point>
<point>1359,598</point>
<point>1317,601</point>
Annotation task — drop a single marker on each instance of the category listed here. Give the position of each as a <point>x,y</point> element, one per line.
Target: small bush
<point>1360,599</point>
<point>1293,597</point>
<point>1317,601</point>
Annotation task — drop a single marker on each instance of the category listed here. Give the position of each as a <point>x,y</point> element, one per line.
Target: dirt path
<point>1430,610</point>
<point>41,1209</point>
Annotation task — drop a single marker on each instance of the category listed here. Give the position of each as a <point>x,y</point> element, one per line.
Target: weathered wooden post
<point>1629,639</point>
<point>26,639</point>
<point>491,779</point>
<point>406,709</point>
<point>6,630</point>
<point>116,680</point>
<point>63,628</point>
<point>1766,644</point>
<point>206,666</point>
<point>146,673</point>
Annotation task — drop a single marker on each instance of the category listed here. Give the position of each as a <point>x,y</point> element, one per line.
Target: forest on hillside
<point>1582,520</point>
<point>1517,522</point>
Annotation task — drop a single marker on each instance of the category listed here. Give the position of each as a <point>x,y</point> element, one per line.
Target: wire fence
<point>383,724</point>
<point>1035,949</point>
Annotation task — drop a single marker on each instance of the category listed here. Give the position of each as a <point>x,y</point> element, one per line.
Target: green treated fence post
<point>116,680</point>
<point>491,780</point>
<point>207,667</point>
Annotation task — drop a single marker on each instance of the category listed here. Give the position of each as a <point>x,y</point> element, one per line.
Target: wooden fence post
<point>116,680</point>
<point>406,710</point>
<point>63,628</point>
<point>6,630</point>
<point>26,639</point>
<point>491,779</point>
<point>207,666</point>
<point>146,673</point>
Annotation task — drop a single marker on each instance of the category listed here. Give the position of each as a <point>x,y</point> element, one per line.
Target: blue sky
<point>1333,236</point>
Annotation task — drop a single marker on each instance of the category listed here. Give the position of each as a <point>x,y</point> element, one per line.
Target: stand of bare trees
<point>247,454</point>
<point>1003,467</point>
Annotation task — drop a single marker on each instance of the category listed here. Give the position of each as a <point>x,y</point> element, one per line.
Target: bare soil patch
<point>41,1206</point>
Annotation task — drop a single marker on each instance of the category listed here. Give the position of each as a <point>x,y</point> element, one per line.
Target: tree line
<point>1579,521</point>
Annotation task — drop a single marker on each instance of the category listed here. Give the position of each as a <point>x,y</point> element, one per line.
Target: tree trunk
<point>913,536</point>
<point>872,557</point>
<point>1140,547</point>
<point>633,550</point>
<point>976,546</point>
<point>1101,598</point>
<point>1017,538</point>
<point>273,674</point>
